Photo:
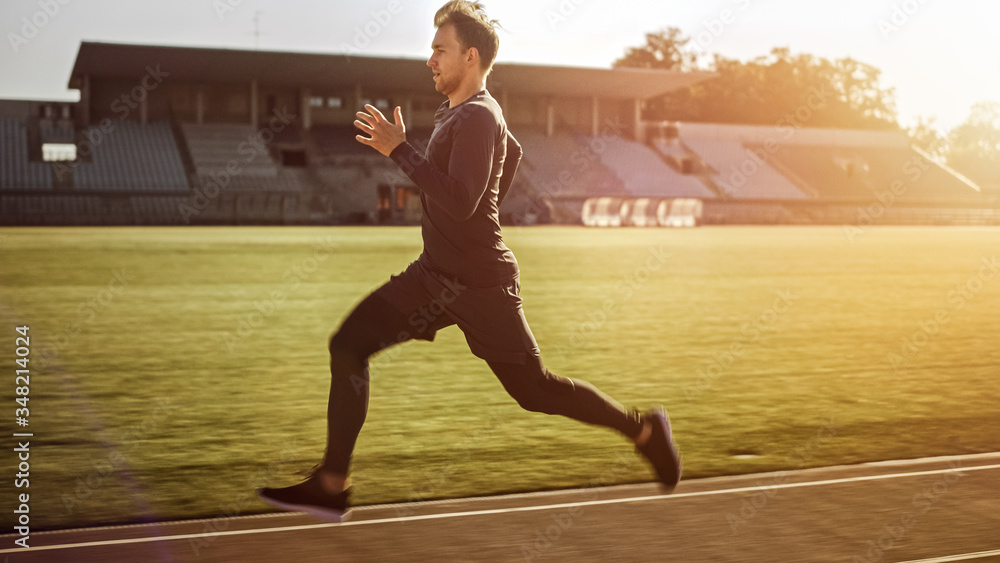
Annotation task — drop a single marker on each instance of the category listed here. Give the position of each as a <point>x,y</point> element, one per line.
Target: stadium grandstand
<point>176,135</point>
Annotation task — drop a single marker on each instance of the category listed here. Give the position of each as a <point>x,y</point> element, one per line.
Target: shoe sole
<point>660,414</point>
<point>328,514</point>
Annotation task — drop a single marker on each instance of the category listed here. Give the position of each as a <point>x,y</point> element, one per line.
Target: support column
<point>637,120</point>
<point>84,101</point>
<point>408,111</point>
<point>595,117</point>
<point>550,117</point>
<point>254,94</point>
<point>199,105</point>
<point>306,105</point>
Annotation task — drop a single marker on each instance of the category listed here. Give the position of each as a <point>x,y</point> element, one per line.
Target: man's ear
<point>472,56</point>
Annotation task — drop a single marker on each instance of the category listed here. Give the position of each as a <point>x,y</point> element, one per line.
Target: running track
<point>933,510</point>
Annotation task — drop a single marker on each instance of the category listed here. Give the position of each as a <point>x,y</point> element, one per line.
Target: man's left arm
<point>514,153</point>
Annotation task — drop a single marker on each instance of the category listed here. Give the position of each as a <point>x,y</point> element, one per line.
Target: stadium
<point>230,137</point>
<point>816,306</point>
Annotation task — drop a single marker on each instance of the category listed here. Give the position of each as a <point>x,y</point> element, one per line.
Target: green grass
<point>150,401</point>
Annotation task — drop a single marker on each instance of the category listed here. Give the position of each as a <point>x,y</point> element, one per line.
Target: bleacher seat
<point>217,147</point>
<point>741,173</point>
<point>643,172</point>
<point>132,157</point>
<point>16,171</point>
<point>330,141</point>
<point>557,165</point>
<point>862,172</point>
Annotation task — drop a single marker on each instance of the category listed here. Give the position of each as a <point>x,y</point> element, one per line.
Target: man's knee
<point>541,392</point>
<point>338,343</point>
<point>343,347</point>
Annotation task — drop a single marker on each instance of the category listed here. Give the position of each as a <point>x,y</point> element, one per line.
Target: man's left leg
<point>537,389</point>
<point>496,329</point>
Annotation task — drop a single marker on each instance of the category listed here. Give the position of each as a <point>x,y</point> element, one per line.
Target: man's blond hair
<point>473,28</point>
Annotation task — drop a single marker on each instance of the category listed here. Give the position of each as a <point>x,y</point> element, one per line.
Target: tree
<point>975,145</point>
<point>926,137</point>
<point>663,50</point>
<point>802,90</point>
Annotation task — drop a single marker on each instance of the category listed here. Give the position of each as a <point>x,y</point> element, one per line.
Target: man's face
<point>448,60</point>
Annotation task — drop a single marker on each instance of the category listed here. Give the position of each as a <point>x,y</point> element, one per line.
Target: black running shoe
<point>309,497</point>
<point>661,450</point>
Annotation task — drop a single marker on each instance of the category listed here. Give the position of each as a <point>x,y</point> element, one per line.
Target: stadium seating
<point>217,146</point>
<point>740,173</point>
<point>131,156</point>
<point>332,141</point>
<point>862,172</point>
<point>16,171</point>
<point>218,149</point>
<point>921,178</point>
<point>643,172</point>
<point>557,165</point>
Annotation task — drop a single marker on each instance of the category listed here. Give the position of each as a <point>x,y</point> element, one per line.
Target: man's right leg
<point>373,326</point>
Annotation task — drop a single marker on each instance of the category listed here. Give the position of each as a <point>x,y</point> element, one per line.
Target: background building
<point>169,135</point>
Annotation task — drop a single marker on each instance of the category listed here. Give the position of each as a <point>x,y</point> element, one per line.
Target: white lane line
<point>963,557</point>
<point>495,511</point>
<point>563,492</point>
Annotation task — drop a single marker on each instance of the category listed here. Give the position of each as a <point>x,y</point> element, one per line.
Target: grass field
<point>175,370</point>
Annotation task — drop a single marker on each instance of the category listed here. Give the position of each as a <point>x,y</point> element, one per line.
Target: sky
<point>941,57</point>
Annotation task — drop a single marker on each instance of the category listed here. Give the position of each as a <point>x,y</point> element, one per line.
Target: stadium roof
<point>114,60</point>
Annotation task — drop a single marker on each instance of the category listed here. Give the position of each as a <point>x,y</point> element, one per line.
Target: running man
<point>465,275</point>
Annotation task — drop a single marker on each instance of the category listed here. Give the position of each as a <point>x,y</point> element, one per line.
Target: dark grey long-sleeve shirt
<point>467,170</point>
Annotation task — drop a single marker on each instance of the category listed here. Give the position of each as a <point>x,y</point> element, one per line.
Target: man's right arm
<point>459,189</point>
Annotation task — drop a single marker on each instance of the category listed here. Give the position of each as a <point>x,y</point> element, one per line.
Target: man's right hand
<point>384,136</point>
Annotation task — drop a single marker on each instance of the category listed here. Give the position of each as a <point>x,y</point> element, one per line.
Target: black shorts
<point>491,317</point>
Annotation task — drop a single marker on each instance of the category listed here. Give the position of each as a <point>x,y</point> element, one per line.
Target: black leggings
<point>375,325</point>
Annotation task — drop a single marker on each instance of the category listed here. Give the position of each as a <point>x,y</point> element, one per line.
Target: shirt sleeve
<point>458,189</point>
<point>514,153</point>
